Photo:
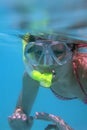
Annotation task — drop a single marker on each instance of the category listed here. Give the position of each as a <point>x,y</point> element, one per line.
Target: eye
<point>31,49</point>
<point>35,49</point>
<point>38,52</point>
<point>58,49</point>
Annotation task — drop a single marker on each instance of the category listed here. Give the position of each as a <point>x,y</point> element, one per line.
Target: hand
<point>59,124</point>
<point>20,121</point>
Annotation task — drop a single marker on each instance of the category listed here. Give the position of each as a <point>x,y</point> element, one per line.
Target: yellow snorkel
<point>44,79</point>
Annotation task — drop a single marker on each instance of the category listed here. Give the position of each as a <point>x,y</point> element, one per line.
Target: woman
<point>53,64</point>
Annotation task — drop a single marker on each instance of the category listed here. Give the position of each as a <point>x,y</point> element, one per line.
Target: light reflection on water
<point>67,17</point>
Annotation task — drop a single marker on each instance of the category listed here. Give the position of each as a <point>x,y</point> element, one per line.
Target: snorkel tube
<point>45,79</point>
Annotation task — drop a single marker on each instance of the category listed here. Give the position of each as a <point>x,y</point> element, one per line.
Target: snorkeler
<point>57,65</point>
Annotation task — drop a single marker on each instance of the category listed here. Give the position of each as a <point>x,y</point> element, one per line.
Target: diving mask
<point>47,53</point>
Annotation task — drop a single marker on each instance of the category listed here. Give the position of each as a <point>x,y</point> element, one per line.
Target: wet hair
<point>71,46</point>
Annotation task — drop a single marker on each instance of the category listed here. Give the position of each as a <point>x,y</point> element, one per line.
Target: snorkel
<point>45,79</point>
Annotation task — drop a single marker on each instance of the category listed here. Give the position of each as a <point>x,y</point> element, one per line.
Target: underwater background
<point>34,16</point>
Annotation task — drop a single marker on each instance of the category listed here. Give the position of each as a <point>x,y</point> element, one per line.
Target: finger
<point>55,119</point>
<point>42,116</point>
<point>24,117</point>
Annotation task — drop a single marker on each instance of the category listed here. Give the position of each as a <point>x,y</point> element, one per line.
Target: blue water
<point>64,16</point>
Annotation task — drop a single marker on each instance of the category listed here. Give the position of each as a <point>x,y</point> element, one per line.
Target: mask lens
<point>61,52</point>
<point>33,53</point>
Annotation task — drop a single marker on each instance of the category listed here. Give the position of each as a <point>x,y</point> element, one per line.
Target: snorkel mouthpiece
<point>45,79</point>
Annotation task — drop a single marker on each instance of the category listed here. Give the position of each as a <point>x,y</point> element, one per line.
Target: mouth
<point>50,70</point>
<point>46,69</point>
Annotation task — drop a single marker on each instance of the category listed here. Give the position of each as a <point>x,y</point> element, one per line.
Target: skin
<point>65,84</point>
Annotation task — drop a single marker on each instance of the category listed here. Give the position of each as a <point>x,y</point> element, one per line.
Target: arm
<point>28,94</point>
<point>20,120</point>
